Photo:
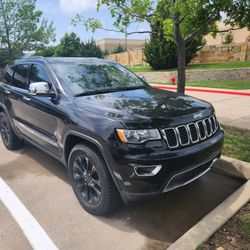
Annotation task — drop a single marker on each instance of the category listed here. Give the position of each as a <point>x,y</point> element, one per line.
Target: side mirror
<point>40,89</point>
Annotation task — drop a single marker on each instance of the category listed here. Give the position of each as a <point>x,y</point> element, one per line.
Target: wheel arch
<point>72,138</point>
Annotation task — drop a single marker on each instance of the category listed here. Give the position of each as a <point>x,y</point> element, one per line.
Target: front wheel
<point>91,181</point>
<point>10,139</point>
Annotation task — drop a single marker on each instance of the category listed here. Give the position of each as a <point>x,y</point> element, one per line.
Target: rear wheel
<point>10,140</point>
<point>91,181</point>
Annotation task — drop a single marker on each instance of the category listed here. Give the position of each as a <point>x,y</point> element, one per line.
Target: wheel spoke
<point>96,190</point>
<point>87,180</point>
<point>78,170</point>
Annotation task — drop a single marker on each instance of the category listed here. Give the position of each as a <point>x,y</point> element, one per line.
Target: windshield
<point>83,78</point>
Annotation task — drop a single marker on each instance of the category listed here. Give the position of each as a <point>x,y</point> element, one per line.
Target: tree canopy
<point>71,46</point>
<point>22,28</point>
<point>183,20</point>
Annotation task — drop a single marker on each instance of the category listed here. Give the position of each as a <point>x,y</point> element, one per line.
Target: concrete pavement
<point>41,183</point>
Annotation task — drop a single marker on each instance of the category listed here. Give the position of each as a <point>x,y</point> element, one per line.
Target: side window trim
<point>26,78</point>
<point>4,72</point>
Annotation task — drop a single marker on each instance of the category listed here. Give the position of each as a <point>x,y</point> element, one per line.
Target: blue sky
<point>61,12</point>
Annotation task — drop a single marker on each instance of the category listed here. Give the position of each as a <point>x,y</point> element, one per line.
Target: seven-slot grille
<point>191,133</point>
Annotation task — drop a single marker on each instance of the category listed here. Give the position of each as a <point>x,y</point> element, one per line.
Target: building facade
<point>110,44</point>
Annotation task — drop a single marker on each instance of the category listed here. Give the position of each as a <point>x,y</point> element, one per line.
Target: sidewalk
<point>231,108</point>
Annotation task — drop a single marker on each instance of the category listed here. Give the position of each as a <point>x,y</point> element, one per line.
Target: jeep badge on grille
<point>197,115</point>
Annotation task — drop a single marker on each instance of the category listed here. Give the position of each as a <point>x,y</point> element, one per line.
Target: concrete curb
<point>206,90</point>
<point>208,225</point>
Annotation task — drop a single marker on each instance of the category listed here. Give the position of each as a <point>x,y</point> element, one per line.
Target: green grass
<point>236,85</point>
<point>245,224</point>
<point>203,66</point>
<point>237,143</point>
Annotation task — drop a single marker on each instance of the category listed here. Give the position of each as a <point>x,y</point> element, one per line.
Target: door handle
<point>7,92</point>
<point>26,98</point>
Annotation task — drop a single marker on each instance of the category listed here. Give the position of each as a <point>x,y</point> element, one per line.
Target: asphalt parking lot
<point>41,184</point>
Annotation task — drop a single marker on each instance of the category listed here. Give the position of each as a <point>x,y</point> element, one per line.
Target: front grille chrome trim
<point>176,136</point>
<point>197,131</point>
<point>200,126</point>
<point>179,135</point>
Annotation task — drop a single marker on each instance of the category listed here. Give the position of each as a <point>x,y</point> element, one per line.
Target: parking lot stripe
<point>36,235</point>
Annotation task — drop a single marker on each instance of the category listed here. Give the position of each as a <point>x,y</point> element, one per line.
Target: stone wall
<point>131,57</point>
<point>223,53</point>
<point>199,76</point>
<point>208,54</point>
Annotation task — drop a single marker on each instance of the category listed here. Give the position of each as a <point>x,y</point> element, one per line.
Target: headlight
<point>138,136</point>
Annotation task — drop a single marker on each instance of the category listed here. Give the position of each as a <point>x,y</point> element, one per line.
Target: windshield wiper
<point>103,91</point>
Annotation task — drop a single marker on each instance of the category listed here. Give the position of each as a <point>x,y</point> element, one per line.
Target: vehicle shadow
<point>161,220</point>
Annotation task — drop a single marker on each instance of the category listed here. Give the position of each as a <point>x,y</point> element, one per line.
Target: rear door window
<point>8,74</point>
<point>20,76</point>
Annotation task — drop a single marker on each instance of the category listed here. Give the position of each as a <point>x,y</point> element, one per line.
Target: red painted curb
<point>225,92</point>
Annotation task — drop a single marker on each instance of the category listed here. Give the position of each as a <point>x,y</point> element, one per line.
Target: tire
<point>9,138</point>
<point>91,181</point>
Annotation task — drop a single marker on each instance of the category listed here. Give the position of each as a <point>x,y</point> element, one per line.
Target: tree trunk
<point>181,70</point>
<point>181,51</point>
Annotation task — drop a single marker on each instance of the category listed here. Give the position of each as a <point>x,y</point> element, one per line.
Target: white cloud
<point>76,6</point>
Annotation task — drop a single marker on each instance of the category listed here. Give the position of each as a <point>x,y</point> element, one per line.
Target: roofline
<point>51,59</point>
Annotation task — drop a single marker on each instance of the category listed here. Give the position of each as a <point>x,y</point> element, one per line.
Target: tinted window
<point>8,74</point>
<point>20,76</point>
<point>38,74</point>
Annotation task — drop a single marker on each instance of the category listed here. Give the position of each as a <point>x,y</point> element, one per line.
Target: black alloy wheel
<point>87,180</point>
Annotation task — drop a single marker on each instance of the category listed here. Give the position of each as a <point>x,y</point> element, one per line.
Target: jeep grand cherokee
<point>119,138</point>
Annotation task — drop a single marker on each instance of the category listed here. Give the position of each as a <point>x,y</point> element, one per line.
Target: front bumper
<point>179,167</point>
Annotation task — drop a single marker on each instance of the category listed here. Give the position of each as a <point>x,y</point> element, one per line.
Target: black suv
<point>120,138</point>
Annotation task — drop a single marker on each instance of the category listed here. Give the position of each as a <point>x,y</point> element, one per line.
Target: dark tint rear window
<point>20,76</point>
<point>8,74</point>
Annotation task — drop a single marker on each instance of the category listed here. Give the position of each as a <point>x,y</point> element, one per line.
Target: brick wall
<point>200,76</point>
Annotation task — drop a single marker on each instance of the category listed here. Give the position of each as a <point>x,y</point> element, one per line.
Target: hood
<point>149,106</point>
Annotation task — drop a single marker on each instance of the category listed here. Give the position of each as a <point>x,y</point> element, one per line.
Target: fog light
<point>146,170</point>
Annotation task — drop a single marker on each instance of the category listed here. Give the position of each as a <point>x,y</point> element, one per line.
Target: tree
<point>105,52</point>
<point>22,28</point>
<point>70,46</point>
<point>183,20</point>
<point>161,53</point>
<point>119,49</point>
<point>46,51</point>
<point>90,49</point>
<point>229,37</point>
